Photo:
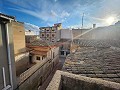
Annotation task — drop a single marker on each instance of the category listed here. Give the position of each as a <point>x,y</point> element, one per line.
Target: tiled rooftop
<point>40,43</point>
<point>94,59</point>
<point>38,52</point>
<point>93,43</point>
<point>67,81</point>
<point>64,40</point>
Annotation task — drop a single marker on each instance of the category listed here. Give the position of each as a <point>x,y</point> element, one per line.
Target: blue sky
<point>68,12</point>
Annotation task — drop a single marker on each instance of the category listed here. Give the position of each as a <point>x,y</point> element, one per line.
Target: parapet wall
<point>67,81</point>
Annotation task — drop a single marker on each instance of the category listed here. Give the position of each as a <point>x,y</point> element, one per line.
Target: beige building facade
<point>18,37</point>
<point>51,34</point>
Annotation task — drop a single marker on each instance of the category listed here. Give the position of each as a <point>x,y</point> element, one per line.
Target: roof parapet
<point>65,81</point>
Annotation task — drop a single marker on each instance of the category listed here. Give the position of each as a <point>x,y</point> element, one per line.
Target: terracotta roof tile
<point>95,61</point>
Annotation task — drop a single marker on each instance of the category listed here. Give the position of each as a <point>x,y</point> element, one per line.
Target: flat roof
<point>41,43</point>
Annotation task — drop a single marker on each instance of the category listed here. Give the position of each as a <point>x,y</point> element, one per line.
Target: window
<point>37,58</point>
<point>53,35</point>
<point>61,47</point>
<point>53,30</point>
<point>53,40</point>
<point>43,57</point>
<point>53,54</point>
<point>42,35</point>
<point>47,30</point>
<point>47,35</point>
<point>62,52</point>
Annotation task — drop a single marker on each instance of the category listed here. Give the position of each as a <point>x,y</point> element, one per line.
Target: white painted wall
<point>66,34</point>
<point>34,58</point>
<point>55,51</point>
<point>27,32</point>
<point>49,54</point>
<point>58,35</point>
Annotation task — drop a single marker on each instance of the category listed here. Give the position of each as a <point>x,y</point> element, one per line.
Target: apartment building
<point>51,34</point>
<point>7,62</point>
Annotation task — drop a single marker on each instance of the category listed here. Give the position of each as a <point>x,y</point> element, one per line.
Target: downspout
<point>9,58</point>
<point>6,87</point>
<point>4,79</point>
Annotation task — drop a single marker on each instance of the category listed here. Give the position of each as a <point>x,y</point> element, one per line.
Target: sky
<point>68,12</point>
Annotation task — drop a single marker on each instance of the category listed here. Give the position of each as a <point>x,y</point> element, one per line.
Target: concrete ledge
<point>55,82</point>
<point>67,81</point>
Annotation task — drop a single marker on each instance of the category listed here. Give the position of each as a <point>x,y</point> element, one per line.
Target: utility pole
<point>82,19</point>
<point>82,22</point>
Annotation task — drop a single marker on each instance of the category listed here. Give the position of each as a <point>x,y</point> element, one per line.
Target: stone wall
<point>67,81</point>
<point>35,77</point>
<point>22,65</point>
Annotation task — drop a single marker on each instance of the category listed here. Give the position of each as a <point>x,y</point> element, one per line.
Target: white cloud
<point>53,13</point>
<point>31,27</point>
<point>43,9</point>
<point>45,16</point>
<point>49,24</point>
<point>64,14</point>
<point>56,0</point>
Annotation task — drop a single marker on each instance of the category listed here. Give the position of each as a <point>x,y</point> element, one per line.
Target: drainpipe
<point>4,80</point>
<point>6,87</point>
<point>9,58</point>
